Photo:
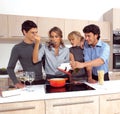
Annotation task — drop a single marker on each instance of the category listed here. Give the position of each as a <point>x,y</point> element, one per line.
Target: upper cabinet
<point>45,24</point>
<point>3,26</point>
<point>74,25</point>
<point>104,29</point>
<point>78,25</point>
<point>15,23</point>
<point>116,19</point>
<point>113,16</point>
<point>11,26</point>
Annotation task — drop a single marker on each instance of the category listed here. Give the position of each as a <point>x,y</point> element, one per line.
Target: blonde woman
<point>76,53</point>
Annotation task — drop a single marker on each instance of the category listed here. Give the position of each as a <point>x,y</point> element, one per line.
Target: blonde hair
<point>75,34</point>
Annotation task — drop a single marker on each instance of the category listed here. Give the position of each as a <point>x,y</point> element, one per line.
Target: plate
<point>65,67</point>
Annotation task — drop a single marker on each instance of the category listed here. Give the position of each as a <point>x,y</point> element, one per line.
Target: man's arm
<point>11,66</point>
<point>88,65</point>
<point>89,73</point>
<point>36,49</point>
<point>93,63</point>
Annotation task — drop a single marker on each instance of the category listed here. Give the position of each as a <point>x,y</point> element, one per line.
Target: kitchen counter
<point>4,76</point>
<point>108,87</point>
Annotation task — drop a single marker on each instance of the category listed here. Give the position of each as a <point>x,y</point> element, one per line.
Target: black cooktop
<point>68,88</point>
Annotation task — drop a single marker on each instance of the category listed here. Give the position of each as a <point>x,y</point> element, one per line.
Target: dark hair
<point>27,25</point>
<point>92,28</point>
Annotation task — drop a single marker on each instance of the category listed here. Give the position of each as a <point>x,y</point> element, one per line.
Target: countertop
<point>4,76</point>
<point>108,87</point>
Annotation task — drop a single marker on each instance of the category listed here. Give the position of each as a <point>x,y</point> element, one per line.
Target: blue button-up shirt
<point>101,50</point>
<point>51,61</point>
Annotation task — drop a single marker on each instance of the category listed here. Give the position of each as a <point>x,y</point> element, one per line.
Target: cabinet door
<point>3,82</point>
<point>34,107</point>
<point>110,104</point>
<point>45,24</point>
<point>116,19</point>
<point>3,26</point>
<point>81,105</point>
<point>15,23</point>
<point>74,25</point>
<point>104,29</point>
<point>113,16</point>
<point>114,76</point>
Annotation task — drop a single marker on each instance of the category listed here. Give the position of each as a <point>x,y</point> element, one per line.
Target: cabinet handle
<point>15,109</point>
<point>65,104</point>
<point>113,99</point>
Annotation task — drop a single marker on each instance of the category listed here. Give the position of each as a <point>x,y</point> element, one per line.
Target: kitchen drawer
<point>32,107</point>
<point>110,104</point>
<point>80,105</point>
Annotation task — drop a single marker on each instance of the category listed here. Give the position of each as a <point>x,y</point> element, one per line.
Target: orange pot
<point>57,89</point>
<point>57,82</point>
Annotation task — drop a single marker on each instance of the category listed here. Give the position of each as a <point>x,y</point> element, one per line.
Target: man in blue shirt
<point>96,54</point>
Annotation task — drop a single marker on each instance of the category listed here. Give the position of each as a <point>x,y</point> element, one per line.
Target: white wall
<point>78,9</point>
<point>5,50</point>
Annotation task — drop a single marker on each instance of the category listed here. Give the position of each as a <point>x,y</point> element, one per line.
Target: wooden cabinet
<point>78,25</point>
<point>45,24</point>
<point>110,104</point>
<point>11,26</point>
<point>116,19</point>
<point>3,26</point>
<point>113,16</point>
<point>74,25</point>
<point>104,29</point>
<point>80,105</point>
<point>15,23</point>
<point>3,82</point>
<point>33,107</point>
<point>114,76</point>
